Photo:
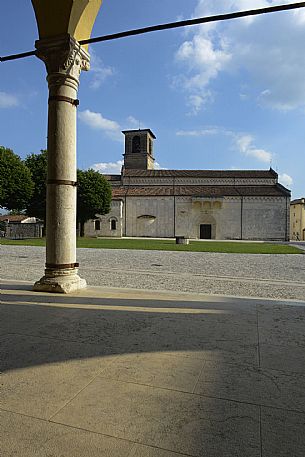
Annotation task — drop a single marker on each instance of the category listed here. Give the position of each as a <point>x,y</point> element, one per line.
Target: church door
<point>205,231</point>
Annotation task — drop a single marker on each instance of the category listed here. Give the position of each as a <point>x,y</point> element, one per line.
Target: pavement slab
<point>24,436</point>
<point>135,373</point>
<point>283,433</point>
<point>173,420</point>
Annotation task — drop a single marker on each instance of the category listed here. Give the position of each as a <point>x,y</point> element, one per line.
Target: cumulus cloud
<point>159,167</point>
<point>112,129</point>
<point>99,71</point>
<point>196,102</point>
<point>274,62</point>
<point>114,168</point>
<point>111,168</point>
<point>8,100</point>
<point>97,122</point>
<point>286,180</point>
<point>245,144</point>
<point>201,132</point>
<point>132,122</point>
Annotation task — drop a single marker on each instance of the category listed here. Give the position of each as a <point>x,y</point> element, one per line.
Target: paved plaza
<point>119,371</point>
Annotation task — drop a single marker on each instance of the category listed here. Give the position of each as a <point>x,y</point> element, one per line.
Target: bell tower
<point>139,149</point>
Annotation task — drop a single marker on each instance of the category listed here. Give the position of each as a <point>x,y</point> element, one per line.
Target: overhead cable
<point>174,25</point>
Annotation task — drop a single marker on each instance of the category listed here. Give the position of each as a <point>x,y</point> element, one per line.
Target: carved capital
<point>63,55</point>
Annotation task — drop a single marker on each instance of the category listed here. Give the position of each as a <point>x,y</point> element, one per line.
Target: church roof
<point>271,174</point>
<point>200,191</point>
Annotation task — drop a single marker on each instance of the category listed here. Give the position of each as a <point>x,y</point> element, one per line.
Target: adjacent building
<point>20,226</point>
<point>198,204</point>
<point>297,219</point>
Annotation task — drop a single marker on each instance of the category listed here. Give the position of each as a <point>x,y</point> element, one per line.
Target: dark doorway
<point>205,231</point>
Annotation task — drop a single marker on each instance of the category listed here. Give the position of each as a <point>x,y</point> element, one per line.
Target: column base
<point>62,282</point>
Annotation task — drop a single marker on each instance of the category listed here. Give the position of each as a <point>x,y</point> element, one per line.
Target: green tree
<point>37,164</point>
<point>16,185</point>
<point>93,196</point>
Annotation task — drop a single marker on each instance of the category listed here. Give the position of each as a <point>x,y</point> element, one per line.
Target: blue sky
<point>217,96</point>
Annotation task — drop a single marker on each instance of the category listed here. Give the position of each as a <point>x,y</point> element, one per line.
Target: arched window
<point>136,144</point>
<point>97,224</point>
<point>113,224</point>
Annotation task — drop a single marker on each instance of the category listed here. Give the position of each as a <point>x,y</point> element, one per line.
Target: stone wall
<point>20,231</point>
<point>231,218</point>
<point>150,216</point>
<point>109,225</point>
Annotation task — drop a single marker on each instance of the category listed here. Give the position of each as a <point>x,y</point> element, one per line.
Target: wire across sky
<point>174,25</point>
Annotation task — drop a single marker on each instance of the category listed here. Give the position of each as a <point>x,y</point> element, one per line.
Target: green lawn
<point>170,245</point>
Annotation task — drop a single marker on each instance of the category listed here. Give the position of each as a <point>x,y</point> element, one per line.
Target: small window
<point>113,224</point>
<point>97,224</point>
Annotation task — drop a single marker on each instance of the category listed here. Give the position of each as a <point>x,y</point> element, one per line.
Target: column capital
<point>63,55</point>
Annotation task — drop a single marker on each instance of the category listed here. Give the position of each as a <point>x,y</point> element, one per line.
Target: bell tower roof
<point>139,130</point>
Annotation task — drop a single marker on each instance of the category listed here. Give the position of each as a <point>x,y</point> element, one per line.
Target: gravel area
<point>268,276</point>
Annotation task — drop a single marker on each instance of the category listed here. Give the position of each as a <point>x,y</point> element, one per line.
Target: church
<point>196,204</point>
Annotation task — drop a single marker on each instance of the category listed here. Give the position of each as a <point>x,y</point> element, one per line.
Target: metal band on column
<point>62,266</point>
<point>62,182</point>
<point>62,98</point>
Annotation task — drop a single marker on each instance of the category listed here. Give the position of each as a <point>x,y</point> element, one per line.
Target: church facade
<point>197,204</point>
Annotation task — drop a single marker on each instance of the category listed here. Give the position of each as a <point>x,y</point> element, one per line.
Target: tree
<point>16,185</point>
<point>93,196</point>
<point>37,164</point>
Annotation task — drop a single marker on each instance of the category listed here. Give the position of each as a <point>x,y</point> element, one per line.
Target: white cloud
<point>196,102</point>
<point>111,168</point>
<point>132,122</point>
<point>273,62</point>
<point>286,180</point>
<point>157,166</point>
<point>8,100</point>
<point>98,70</point>
<point>114,168</point>
<point>98,122</point>
<point>203,132</point>
<point>245,145</point>
<point>110,128</point>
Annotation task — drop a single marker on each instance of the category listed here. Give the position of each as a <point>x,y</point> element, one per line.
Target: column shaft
<point>64,59</point>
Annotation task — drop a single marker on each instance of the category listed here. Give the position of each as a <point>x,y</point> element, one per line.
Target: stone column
<point>64,59</point>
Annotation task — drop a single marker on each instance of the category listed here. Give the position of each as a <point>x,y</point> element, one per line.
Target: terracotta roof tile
<point>202,173</point>
<point>199,191</point>
<point>15,218</point>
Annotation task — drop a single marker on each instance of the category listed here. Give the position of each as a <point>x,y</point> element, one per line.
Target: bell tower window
<point>136,144</point>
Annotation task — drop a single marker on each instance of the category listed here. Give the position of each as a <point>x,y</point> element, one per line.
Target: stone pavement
<point>129,373</point>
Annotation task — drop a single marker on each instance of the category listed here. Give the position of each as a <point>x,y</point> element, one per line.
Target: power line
<point>174,25</point>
